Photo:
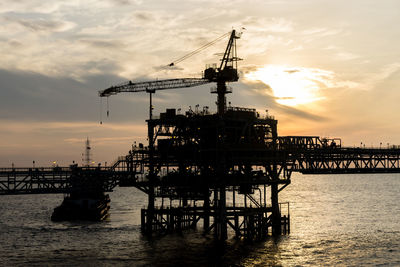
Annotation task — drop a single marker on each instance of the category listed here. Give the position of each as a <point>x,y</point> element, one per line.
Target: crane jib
<point>153,85</point>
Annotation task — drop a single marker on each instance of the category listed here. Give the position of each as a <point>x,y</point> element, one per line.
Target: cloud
<point>331,47</point>
<point>33,96</point>
<point>260,96</point>
<point>37,97</point>
<point>34,6</point>
<point>371,80</point>
<point>292,71</point>
<point>61,6</point>
<point>345,56</point>
<point>136,35</point>
<point>14,44</point>
<point>125,2</point>
<point>297,48</point>
<point>42,25</point>
<point>387,71</point>
<point>107,29</point>
<point>273,25</point>
<point>292,111</point>
<point>152,20</point>
<point>321,32</point>
<point>144,16</point>
<point>103,44</point>
<point>314,31</point>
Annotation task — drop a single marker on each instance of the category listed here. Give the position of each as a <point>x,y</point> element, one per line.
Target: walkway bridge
<point>57,180</point>
<point>313,155</point>
<point>304,154</point>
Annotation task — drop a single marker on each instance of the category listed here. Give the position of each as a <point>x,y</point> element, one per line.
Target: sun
<point>291,86</point>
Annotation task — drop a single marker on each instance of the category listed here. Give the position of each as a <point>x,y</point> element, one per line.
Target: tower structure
<point>86,156</point>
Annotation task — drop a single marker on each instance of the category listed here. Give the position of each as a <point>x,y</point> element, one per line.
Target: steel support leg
<point>276,215</point>
<point>206,207</point>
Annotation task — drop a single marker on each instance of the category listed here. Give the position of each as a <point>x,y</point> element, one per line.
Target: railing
<point>252,110</point>
<point>346,160</point>
<point>300,143</point>
<point>34,180</point>
<point>59,180</point>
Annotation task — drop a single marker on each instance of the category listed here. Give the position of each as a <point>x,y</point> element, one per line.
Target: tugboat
<point>89,208</point>
<point>87,200</point>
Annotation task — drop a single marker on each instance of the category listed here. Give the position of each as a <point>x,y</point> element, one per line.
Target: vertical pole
<point>233,197</point>
<point>236,216</point>
<point>151,195</point>
<point>216,213</point>
<point>220,214</point>
<point>221,101</point>
<point>223,219</point>
<point>245,223</point>
<point>276,216</point>
<point>143,220</point>
<point>265,195</point>
<point>206,207</point>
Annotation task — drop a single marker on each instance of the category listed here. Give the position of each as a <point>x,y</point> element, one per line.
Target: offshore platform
<point>220,170</point>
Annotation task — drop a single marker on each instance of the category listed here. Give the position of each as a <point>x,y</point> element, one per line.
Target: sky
<point>322,68</point>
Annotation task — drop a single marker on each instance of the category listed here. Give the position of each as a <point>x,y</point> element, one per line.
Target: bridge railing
<point>34,180</point>
<point>347,160</point>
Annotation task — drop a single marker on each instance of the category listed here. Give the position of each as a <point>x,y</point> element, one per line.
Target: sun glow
<point>292,86</point>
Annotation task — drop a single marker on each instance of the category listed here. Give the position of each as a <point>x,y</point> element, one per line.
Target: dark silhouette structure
<point>224,170</point>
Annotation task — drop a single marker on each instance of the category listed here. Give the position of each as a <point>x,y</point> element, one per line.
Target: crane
<point>226,72</point>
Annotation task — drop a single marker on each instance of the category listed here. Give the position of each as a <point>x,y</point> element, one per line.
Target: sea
<point>336,220</point>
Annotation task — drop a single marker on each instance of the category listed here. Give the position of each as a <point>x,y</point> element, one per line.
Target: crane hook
<point>108,110</point>
<point>101,108</point>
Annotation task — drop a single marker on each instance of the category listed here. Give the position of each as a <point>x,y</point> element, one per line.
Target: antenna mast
<point>87,155</point>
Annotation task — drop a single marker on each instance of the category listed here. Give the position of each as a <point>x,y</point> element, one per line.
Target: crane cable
<point>197,50</point>
<point>101,109</point>
<point>194,52</point>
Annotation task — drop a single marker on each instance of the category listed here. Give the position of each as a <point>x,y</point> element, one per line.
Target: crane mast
<point>227,72</point>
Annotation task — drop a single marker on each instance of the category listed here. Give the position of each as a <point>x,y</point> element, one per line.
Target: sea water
<point>336,220</point>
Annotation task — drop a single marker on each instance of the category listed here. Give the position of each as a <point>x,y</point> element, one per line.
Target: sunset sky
<point>326,68</point>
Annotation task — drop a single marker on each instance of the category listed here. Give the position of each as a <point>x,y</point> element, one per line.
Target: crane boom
<point>226,72</point>
<point>152,86</point>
